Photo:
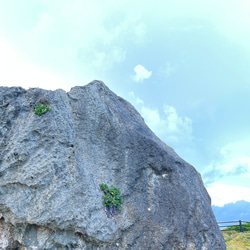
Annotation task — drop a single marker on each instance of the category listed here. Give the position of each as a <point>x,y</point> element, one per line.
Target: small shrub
<point>111,198</point>
<point>40,110</point>
<point>245,227</point>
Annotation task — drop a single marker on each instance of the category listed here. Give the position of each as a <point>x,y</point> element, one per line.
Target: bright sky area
<point>184,65</point>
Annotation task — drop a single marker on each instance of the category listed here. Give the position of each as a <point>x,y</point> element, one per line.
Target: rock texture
<point>51,168</point>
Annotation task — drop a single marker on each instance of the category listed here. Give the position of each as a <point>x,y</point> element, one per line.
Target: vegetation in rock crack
<point>111,198</point>
<point>40,110</point>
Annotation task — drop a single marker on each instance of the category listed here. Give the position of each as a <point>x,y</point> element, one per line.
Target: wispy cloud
<point>214,173</point>
<point>100,59</point>
<point>67,37</point>
<point>141,73</point>
<point>222,194</point>
<point>166,123</point>
<point>234,161</point>
<point>167,70</point>
<point>80,40</point>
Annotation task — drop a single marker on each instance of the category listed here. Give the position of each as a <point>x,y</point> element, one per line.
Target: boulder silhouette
<point>52,166</point>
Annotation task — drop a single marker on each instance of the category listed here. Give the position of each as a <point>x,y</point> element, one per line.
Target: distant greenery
<point>236,240</point>
<point>40,110</point>
<point>111,198</point>
<point>245,227</point>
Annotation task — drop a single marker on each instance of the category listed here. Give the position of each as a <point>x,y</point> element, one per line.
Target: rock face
<point>51,168</point>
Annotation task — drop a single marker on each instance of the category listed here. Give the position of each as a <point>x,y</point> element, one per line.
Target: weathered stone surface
<point>51,168</point>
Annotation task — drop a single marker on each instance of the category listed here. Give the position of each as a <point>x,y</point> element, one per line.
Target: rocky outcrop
<point>51,168</point>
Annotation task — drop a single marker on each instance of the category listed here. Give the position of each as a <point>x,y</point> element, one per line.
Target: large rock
<point>51,168</point>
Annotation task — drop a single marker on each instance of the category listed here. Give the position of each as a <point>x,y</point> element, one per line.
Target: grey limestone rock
<point>51,168</point>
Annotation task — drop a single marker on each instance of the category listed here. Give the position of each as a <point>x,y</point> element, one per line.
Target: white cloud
<point>177,124</point>
<point>140,32</point>
<point>80,40</point>
<point>233,167</point>
<point>141,73</point>
<point>16,70</point>
<point>234,162</point>
<point>87,38</point>
<point>74,17</point>
<point>167,124</point>
<point>223,194</point>
<point>102,60</point>
<point>167,70</point>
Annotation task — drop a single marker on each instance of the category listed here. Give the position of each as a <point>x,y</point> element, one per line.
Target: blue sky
<point>184,65</point>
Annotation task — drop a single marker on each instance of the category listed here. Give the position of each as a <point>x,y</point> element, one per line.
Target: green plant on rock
<point>40,110</point>
<point>111,198</point>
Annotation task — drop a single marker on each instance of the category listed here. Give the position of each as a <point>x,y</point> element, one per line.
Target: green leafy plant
<point>40,110</point>
<point>112,198</point>
<point>245,227</point>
